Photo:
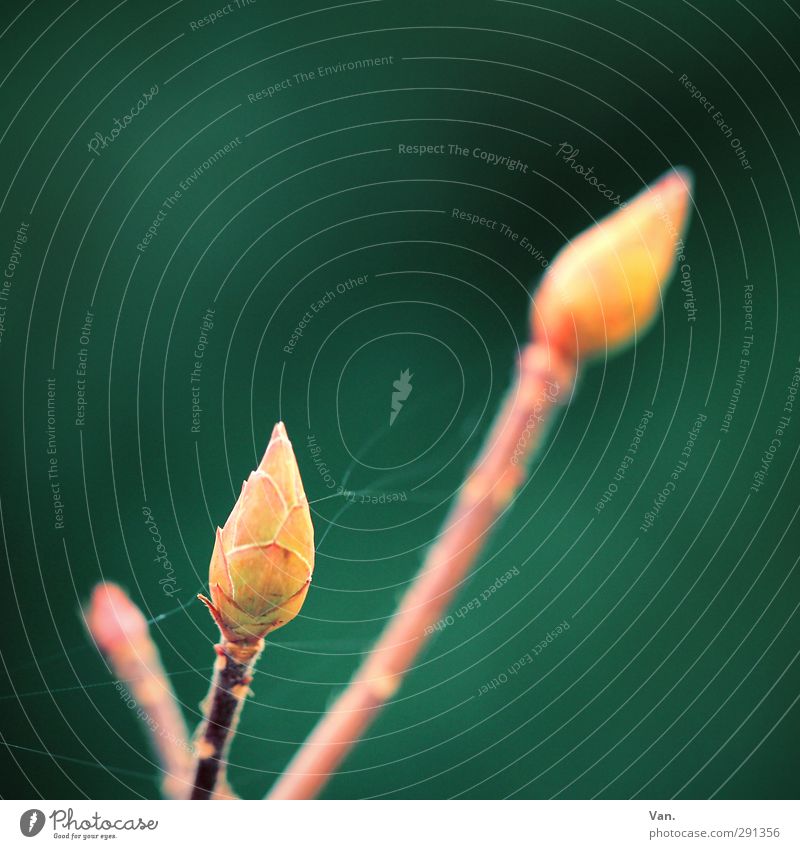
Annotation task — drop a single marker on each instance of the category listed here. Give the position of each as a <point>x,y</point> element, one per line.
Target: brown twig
<point>121,632</point>
<point>229,688</point>
<point>543,380</point>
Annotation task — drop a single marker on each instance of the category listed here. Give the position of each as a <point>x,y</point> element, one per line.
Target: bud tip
<point>279,432</point>
<point>113,619</point>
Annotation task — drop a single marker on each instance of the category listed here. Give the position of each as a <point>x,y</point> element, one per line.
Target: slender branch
<point>600,292</point>
<point>121,632</point>
<point>543,380</point>
<point>222,707</point>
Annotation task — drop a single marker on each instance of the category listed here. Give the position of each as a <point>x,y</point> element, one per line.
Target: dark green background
<point>679,673</point>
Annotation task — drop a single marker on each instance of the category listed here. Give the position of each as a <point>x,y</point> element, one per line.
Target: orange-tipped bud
<point>113,620</point>
<point>264,556</point>
<point>604,287</point>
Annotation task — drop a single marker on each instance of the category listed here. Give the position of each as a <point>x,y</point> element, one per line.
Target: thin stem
<point>544,379</point>
<point>121,632</point>
<point>222,706</point>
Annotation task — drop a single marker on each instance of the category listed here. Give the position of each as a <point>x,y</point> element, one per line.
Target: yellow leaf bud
<point>264,556</point>
<point>603,289</point>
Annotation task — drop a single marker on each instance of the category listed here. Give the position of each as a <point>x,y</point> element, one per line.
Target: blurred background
<point>212,219</point>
